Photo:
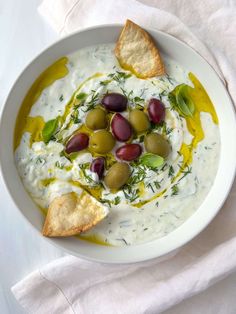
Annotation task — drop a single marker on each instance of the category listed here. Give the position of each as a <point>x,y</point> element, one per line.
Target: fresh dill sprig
<point>59,165</point>
<point>119,76</point>
<point>130,193</point>
<point>137,176</point>
<point>185,172</point>
<point>116,200</point>
<point>174,190</point>
<point>105,201</point>
<point>171,172</point>
<point>158,184</point>
<point>105,82</point>
<point>87,178</point>
<point>149,185</point>
<point>93,101</point>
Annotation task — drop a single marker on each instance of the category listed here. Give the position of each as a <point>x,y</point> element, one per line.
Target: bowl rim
<point>60,243</point>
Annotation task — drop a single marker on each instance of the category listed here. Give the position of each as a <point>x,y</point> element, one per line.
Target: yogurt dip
<point>154,201</point>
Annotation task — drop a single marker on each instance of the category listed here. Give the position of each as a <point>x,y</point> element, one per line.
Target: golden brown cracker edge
<point>131,36</point>
<point>70,203</point>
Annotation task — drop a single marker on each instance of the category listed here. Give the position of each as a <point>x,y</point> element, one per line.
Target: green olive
<point>96,119</point>
<point>101,142</point>
<point>139,120</point>
<point>156,144</point>
<point>117,175</point>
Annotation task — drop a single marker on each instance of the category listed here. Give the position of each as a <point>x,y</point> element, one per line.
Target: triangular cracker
<point>72,214</point>
<point>136,51</point>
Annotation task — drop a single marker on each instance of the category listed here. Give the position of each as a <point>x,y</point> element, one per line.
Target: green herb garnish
<point>185,172</point>
<point>49,130</point>
<point>181,100</point>
<point>81,96</point>
<point>59,165</point>
<point>151,160</point>
<point>130,193</point>
<point>174,190</point>
<point>171,172</point>
<point>93,101</point>
<point>184,101</point>
<point>119,76</point>
<point>116,200</point>
<point>105,201</point>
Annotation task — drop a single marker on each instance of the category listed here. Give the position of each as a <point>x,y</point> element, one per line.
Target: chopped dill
<point>105,201</point>
<point>130,193</point>
<point>59,165</point>
<point>149,185</point>
<point>119,76</point>
<point>123,240</point>
<point>93,101</point>
<point>162,94</point>
<point>105,83</point>
<point>143,90</point>
<point>168,130</point>
<point>174,190</point>
<point>40,160</point>
<point>116,200</point>
<point>171,172</point>
<point>137,176</point>
<point>157,184</point>
<point>74,117</point>
<point>185,172</point>
<point>170,80</point>
<point>87,178</point>
<point>61,98</point>
<point>163,168</point>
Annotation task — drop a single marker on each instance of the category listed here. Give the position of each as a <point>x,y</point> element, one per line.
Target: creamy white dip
<point>47,173</point>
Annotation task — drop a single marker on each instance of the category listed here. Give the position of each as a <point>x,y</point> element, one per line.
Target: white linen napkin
<point>72,285</point>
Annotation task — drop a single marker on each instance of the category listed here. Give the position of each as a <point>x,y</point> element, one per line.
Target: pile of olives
<point>104,136</point>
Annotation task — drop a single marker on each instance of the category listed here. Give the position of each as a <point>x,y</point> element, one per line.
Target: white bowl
<point>190,60</point>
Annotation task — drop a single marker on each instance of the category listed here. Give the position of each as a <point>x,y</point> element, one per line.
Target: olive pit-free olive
<point>139,120</point>
<point>101,142</point>
<point>96,119</point>
<point>156,144</point>
<point>117,175</point>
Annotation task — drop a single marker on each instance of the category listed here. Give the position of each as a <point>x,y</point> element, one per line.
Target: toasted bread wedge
<point>72,214</point>
<point>136,51</point>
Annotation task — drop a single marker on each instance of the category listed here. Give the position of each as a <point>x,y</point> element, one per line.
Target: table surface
<point>23,34</point>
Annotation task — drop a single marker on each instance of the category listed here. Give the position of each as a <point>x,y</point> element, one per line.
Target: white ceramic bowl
<point>190,60</point>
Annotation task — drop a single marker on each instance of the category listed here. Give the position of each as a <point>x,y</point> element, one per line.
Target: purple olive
<point>98,166</point>
<point>76,143</point>
<point>129,152</point>
<point>121,128</point>
<point>115,102</point>
<point>156,110</point>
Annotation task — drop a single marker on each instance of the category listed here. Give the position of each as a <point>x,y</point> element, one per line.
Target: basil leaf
<point>49,130</point>
<point>183,100</point>
<point>151,160</point>
<point>81,96</point>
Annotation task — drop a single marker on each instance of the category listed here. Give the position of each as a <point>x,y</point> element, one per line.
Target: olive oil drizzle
<point>202,103</point>
<point>34,125</point>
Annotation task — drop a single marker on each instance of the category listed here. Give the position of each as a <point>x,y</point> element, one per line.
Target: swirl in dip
<point>155,200</point>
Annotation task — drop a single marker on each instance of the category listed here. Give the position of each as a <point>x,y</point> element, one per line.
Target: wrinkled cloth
<point>73,285</point>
